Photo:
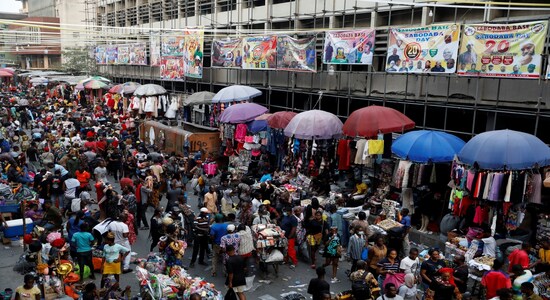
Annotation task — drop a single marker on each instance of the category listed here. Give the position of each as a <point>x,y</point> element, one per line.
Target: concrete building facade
<point>464,106</point>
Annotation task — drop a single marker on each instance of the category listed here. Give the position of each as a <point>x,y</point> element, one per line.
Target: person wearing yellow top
<point>544,254</point>
<point>28,291</point>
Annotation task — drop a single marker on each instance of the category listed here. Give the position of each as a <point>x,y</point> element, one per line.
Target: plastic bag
<point>398,279</point>
<point>230,295</point>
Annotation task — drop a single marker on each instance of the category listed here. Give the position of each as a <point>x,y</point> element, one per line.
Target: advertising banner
<point>123,54</point>
<point>296,54</point>
<point>138,54</point>
<point>100,56</point>
<point>171,68</point>
<point>172,45</point>
<point>112,55</point>
<point>349,47</point>
<point>502,50</point>
<point>227,53</point>
<point>260,52</point>
<point>193,53</point>
<point>154,49</point>
<point>429,49</point>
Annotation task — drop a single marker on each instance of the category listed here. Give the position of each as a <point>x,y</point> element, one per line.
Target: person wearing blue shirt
<point>217,231</point>
<point>83,241</point>
<point>266,177</point>
<point>406,222</point>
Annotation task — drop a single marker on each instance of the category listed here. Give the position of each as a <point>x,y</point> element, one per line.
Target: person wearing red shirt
<point>495,280</point>
<point>83,176</point>
<point>126,181</point>
<point>101,145</point>
<point>520,257</point>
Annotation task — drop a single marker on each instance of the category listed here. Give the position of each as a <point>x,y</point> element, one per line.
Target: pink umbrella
<point>9,70</point>
<point>4,73</point>
<point>242,113</point>
<point>314,124</point>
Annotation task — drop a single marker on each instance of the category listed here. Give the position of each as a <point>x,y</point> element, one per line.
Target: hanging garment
<point>343,155</point>
<point>376,147</point>
<point>536,186</point>
<point>508,193</point>
<point>481,216</point>
<point>172,110</point>
<point>360,146</point>
<point>240,132</point>
<point>470,179</point>
<point>494,194</point>
<point>149,104</point>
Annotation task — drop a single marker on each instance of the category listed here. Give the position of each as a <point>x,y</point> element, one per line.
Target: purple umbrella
<point>314,124</point>
<point>242,113</point>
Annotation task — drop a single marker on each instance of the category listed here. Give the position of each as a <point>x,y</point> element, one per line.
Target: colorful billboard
<point>112,55</point>
<point>154,49</point>
<point>296,54</point>
<point>100,55</point>
<point>349,47</point>
<point>193,52</point>
<point>123,54</point>
<point>428,49</point>
<point>171,68</point>
<point>502,50</point>
<point>227,53</point>
<point>172,45</point>
<point>260,52</point>
<point>138,55</point>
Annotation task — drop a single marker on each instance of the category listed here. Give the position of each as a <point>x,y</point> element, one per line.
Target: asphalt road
<point>288,280</point>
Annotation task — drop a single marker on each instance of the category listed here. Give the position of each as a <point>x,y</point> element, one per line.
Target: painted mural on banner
<point>112,55</point>
<point>349,47</point>
<point>172,45</point>
<point>193,52</point>
<point>502,50</point>
<point>296,54</point>
<point>154,49</point>
<point>123,54</point>
<point>100,55</point>
<point>171,68</point>
<point>260,52</point>
<point>428,49</point>
<point>227,53</point>
<point>138,55</point>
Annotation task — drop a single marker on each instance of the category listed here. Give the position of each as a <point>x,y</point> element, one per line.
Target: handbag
<point>365,254</point>
<point>231,295</point>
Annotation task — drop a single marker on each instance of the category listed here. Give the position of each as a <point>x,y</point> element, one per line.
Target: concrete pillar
<point>46,62</point>
<point>426,19</point>
<point>197,13</point>
<point>490,125</point>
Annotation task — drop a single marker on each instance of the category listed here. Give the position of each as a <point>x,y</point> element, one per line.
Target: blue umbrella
<point>257,126</point>
<point>505,149</point>
<point>427,146</point>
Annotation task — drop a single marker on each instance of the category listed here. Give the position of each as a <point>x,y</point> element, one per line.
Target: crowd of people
<point>97,182</point>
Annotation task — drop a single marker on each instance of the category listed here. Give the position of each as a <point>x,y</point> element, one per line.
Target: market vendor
<point>360,190</point>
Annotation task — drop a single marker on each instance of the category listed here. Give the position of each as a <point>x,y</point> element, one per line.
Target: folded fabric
<point>376,147</point>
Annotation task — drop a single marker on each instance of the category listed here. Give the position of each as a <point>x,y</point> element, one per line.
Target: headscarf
<point>410,280</point>
<point>450,271</point>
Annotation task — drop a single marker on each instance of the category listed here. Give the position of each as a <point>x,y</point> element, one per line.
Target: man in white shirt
<point>256,203</point>
<point>489,245</point>
<point>390,293</point>
<point>121,233</point>
<point>410,264</point>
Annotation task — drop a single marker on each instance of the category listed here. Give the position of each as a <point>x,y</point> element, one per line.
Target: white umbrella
<point>314,125</point>
<point>149,90</point>
<point>38,80</point>
<point>199,98</point>
<point>236,93</point>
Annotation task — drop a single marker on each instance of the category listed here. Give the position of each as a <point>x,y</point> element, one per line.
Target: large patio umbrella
<point>425,146</point>
<point>235,93</point>
<point>372,120</point>
<point>199,98</point>
<point>39,80</point>
<point>149,90</point>
<point>314,124</point>
<point>280,119</point>
<point>124,88</point>
<point>256,126</point>
<point>9,70</point>
<point>242,113</point>
<point>505,149</point>
<point>94,84</point>
<point>4,73</point>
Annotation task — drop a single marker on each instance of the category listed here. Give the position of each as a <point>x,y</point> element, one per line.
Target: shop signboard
<point>502,50</point>
<point>427,49</point>
<point>227,53</point>
<point>296,54</point>
<point>260,52</point>
<point>349,47</point>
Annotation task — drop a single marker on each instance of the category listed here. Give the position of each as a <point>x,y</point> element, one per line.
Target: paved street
<point>287,281</point>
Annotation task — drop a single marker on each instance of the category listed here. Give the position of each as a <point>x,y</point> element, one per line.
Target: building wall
<point>462,105</point>
<point>42,8</point>
<point>72,12</point>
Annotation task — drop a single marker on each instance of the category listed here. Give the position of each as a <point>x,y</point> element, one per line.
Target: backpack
<point>360,288</point>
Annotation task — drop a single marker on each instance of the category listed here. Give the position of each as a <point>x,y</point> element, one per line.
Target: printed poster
<point>502,50</point>
<point>138,54</point>
<point>260,52</point>
<point>193,52</point>
<point>171,68</point>
<point>112,55</point>
<point>349,47</point>
<point>227,53</point>
<point>296,54</point>
<point>428,49</point>
<point>154,49</point>
<point>100,56</point>
<point>172,45</point>
<point>123,54</point>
